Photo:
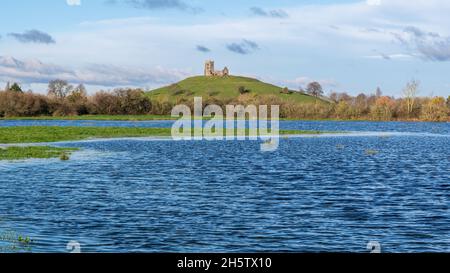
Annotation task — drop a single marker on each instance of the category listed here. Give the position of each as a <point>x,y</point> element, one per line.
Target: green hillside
<point>224,89</point>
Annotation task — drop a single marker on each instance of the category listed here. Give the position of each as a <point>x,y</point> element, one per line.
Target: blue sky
<point>351,46</point>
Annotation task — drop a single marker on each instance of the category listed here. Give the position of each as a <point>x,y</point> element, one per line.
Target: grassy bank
<point>225,89</point>
<point>97,117</point>
<point>37,134</point>
<point>17,153</point>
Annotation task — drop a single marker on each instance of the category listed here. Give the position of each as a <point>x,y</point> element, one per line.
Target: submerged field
<point>314,194</point>
<point>96,117</point>
<point>40,134</point>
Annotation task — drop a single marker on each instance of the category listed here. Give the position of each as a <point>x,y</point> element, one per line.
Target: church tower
<point>209,68</point>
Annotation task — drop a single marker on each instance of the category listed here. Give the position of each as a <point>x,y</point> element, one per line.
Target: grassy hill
<point>223,89</point>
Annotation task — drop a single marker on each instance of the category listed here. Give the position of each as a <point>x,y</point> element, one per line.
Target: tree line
<point>378,107</point>
<point>64,99</point>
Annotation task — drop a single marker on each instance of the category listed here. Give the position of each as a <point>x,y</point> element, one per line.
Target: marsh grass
<point>43,134</point>
<point>41,152</point>
<point>98,117</point>
<point>39,134</point>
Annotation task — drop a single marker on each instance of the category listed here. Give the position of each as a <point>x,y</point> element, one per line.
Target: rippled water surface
<point>313,194</point>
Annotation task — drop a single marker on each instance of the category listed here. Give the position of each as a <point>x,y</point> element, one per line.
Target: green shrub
<point>242,90</point>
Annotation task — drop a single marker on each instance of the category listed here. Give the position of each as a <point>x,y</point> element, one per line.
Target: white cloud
<point>389,56</point>
<point>136,41</point>
<point>373,2</point>
<point>73,2</point>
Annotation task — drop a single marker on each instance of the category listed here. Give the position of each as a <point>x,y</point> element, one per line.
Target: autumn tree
<point>343,110</point>
<point>105,103</point>
<point>18,104</point>
<point>333,96</point>
<point>314,89</point>
<point>383,108</point>
<point>344,97</point>
<point>133,101</point>
<point>361,104</point>
<point>78,94</point>
<point>78,100</point>
<point>435,110</point>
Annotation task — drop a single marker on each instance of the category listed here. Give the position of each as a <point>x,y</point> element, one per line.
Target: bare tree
<point>59,89</point>
<point>314,89</point>
<point>410,93</point>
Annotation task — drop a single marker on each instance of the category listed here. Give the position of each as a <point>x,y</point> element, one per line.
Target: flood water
<point>315,194</point>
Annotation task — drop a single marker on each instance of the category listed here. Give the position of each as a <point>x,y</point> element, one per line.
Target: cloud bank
<point>35,71</point>
<point>431,46</point>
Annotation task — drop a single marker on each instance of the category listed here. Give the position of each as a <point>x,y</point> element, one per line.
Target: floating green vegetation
<point>371,152</point>
<point>24,240</point>
<point>64,156</point>
<point>18,153</point>
<point>12,242</point>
